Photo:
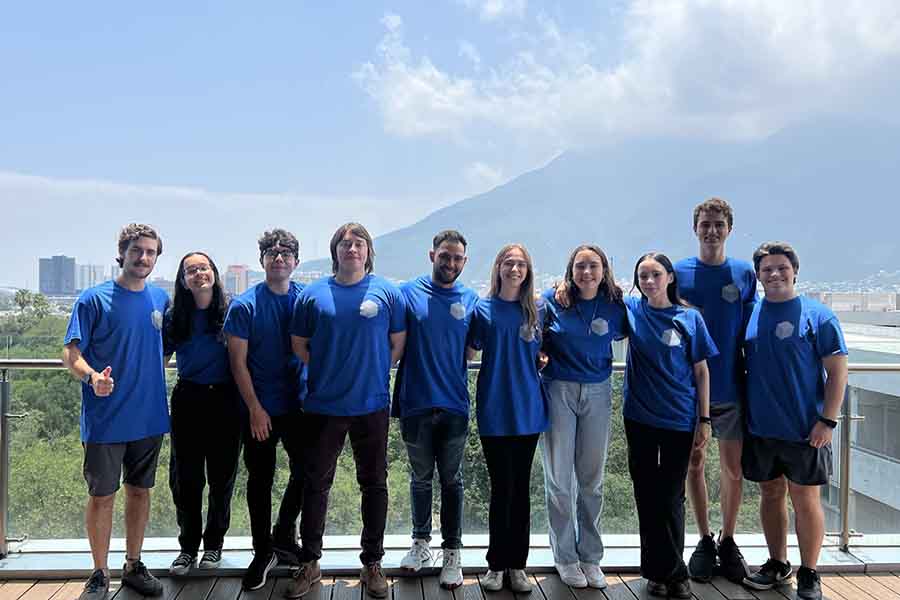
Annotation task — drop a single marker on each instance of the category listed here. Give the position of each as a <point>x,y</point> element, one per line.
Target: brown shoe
<point>372,577</point>
<point>302,579</point>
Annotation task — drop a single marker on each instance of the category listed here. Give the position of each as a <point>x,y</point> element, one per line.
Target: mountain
<point>826,186</point>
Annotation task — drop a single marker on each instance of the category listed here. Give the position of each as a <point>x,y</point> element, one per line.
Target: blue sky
<point>306,114</point>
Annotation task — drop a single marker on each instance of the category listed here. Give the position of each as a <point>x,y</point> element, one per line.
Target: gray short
<point>727,421</point>
<point>132,462</point>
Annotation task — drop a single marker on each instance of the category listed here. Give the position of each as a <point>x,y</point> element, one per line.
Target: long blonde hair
<point>526,290</point>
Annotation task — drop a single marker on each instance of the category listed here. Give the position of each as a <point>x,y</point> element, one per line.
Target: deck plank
<point>503,594</point>
<point>638,586</point>
<point>432,590</point>
<point>707,591</point>
<point>350,588</point>
<point>871,586</point>
<point>888,580</point>
<point>263,593</point>
<point>731,590</point>
<point>470,590</point>
<point>587,593</point>
<point>226,588</point>
<point>13,590</point>
<point>407,588</point>
<point>70,590</point>
<point>841,588</point>
<point>552,587</point>
<point>43,590</point>
<point>617,589</point>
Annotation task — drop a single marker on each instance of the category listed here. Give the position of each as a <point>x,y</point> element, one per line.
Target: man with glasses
<point>114,346</point>
<point>350,329</point>
<point>431,397</point>
<point>272,382</point>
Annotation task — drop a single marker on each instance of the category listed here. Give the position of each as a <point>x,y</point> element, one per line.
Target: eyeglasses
<point>197,269</point>
<point>273,253</point>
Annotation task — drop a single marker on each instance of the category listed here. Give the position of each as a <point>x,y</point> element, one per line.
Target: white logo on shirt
<point>458,311</point>
<point>783,330</point>
<point>368,309</point>
<point>730,293</point>
<point>671,337</point>
<point>599,326</point>
<point>526,332</point>
<point>156,318</point>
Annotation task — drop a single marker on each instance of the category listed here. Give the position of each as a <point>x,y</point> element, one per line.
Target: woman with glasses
<point>206,433</point>
<point>511,412</point>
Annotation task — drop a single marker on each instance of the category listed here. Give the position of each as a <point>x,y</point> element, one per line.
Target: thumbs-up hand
<point>103,382</point>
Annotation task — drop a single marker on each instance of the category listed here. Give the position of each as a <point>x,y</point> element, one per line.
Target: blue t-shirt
<point>263,317</point>
<point>349,329</point>
<point>433,370</point>
<point>120,328</point>
<point>784,343</point>
<point>664,344</point>
<point>203,357</point>
<point>724,294</point>
<point>578,339</point>
<point>509,398</point>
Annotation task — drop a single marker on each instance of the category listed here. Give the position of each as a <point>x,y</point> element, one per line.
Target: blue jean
<point>436,437</point>
<point>574,456</point>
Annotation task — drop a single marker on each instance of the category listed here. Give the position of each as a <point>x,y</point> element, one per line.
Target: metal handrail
<point>55,364</point>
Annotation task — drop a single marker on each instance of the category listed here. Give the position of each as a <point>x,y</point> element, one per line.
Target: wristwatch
<point>829,422</point>
<point>705,420</point>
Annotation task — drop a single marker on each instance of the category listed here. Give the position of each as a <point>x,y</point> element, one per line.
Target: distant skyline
<point>214,122</point>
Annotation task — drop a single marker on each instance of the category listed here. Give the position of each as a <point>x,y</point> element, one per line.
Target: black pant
<point>323,437</point>
<point>259,457</point>
<point>508,460</point>
<point>206,444</point>
<point>658,462</point>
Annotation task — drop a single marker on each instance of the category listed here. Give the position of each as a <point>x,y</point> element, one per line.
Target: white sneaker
<point>518,581</point>
<point>451,570</point>
<point>594,575</point>
<point>571,575</point>
<point>419,556</point>
<point>492,581</point>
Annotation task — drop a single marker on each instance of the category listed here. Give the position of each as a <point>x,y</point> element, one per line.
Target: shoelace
<point>453,559</point>
<point>212,556</point>
<point>96,582</point>
<point>182,560</point>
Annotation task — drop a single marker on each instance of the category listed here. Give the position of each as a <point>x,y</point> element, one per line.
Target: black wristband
<point>829,422</point>
<point>705,420</point>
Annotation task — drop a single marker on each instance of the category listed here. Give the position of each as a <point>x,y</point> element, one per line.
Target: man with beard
<point>114,346</point>
<point>431,397</point>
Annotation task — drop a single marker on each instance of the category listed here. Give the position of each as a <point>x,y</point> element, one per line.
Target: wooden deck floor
<point>850,586</point>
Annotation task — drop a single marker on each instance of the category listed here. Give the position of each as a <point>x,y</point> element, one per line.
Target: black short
<point>765,459</point>
<point>104,464</point>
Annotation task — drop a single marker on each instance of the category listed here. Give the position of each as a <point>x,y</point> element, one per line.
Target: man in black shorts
<point>796,376</point>
<point>114,346</point>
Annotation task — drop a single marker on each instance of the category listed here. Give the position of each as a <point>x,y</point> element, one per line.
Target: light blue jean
<point>574,455</point>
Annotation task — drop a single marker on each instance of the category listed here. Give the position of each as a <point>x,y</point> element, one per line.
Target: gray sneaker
<point>96,587</point>
<point>140,580</point>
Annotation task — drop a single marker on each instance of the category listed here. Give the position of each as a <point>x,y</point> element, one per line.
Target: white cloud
<point>494,10</point>
<point>81,218</point>
<point>483,177</point>
<point>723,68</point>
<point>468,51</point>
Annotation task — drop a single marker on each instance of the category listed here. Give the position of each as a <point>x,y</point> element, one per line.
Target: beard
<point>445,276</point>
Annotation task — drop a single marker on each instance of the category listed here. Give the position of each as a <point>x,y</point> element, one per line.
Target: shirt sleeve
<point>701,344</point>
<point>303,319</point>
<point>81,323</point>
<point>830,338</point>
<point>398,311</point>
<point>238,320</point>
<point>475,337</point>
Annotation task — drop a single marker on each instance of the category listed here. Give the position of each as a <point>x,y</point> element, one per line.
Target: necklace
<point>587,323</point>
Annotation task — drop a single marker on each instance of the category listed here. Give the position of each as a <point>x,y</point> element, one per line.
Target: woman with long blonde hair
<point>510,408</point>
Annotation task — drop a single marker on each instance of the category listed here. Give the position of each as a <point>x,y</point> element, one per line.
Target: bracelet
<point>831,423</point>
<point>705,420</point>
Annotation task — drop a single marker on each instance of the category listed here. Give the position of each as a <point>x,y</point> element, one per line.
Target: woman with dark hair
<point>206,433</point>
<point>510,408</point>
<point>666,395</point>
<point>578,335</point>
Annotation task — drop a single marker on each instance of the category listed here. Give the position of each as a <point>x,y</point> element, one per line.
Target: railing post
<point>846,435</point>
<point>4,461</point>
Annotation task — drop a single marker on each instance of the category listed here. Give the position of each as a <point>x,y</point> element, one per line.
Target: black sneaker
<point>731,562</point>
<point>140,580</point>
<point>808,585</point>
<point>657,588</point>
<point>259,568</point>
<point>211,559</point>
<point>703,560</point>
<point>96,587</point>
<point>680,588</point>
<point>769,575</point>
<point>182,564</point>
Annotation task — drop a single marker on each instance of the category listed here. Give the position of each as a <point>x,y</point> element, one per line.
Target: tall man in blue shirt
<point>723,289</point>
<point>431,397</point>
<point>796,378</point>
<point>114,346</point>
<point>272,383</point>
<point>349,329</point>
